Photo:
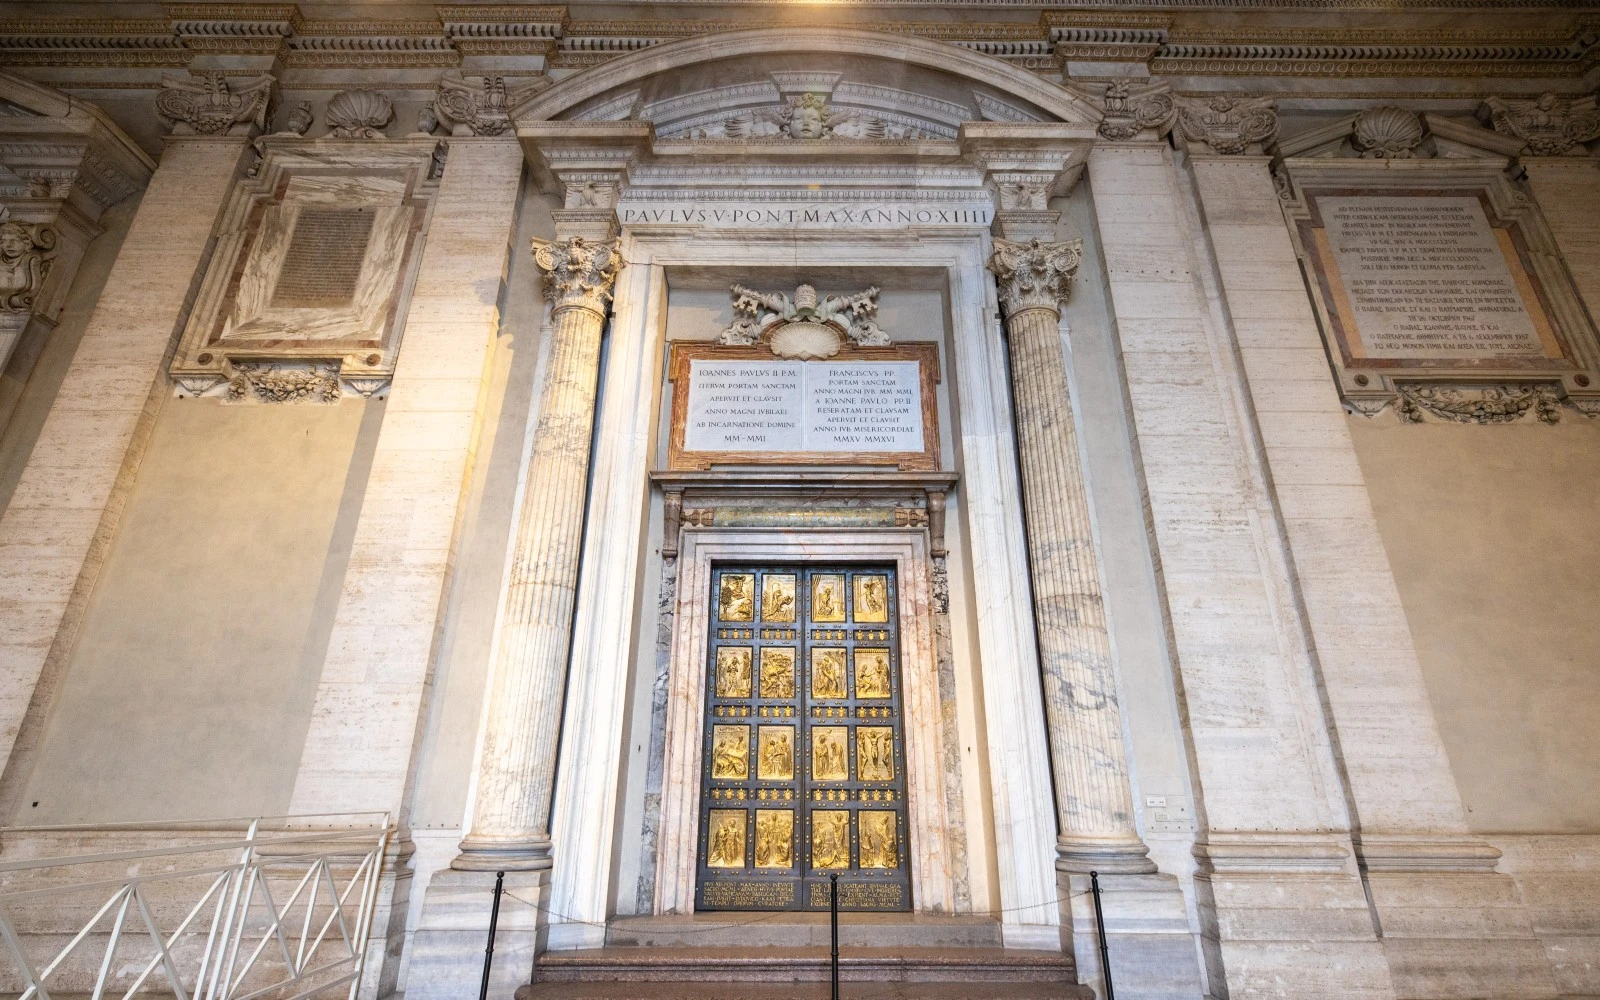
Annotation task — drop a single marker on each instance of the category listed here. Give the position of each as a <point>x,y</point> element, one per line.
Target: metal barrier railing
<point>186,920</point>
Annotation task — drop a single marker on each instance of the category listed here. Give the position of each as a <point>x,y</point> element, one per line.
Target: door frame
<point>932,884</point>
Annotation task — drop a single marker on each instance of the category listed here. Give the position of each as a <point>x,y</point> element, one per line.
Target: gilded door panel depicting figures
<point>804,772</point>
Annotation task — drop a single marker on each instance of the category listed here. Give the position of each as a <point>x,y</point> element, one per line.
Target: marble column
<point>1093,802</point>
<point>516,767</point>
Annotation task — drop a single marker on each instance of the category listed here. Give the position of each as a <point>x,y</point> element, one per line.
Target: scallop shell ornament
<point>805,341</point>
<point>1387,133</point>
<point>358,114</point>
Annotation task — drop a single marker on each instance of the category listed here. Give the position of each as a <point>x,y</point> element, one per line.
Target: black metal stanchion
<point>1100,929</point>
<point>833,923</point>
<point>494,918</point>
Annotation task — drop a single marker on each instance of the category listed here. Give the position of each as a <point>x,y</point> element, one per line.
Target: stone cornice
<point>1179,40</point>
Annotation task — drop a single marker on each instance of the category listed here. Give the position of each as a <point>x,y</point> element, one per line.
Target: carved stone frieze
<point>358,114</point>
<point>807,117</point>
<point>1550,125</point>
<point>579,273</point>
<point>1478,404</point>
<point>1130,110</point>
<point>1227,125</point>
<point>804,327</point>
<point>27,252</point>
<point>207,105</point>
<point>1387,133</point>
<point>1035,275</point>
<point>281,383</point>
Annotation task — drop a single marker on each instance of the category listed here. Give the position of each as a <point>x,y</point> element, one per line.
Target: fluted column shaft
<point>516,768</point>
<point>1089,764</point>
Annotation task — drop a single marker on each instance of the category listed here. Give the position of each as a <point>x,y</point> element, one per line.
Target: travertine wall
<point>1493,538</point>
<point>188,692</point>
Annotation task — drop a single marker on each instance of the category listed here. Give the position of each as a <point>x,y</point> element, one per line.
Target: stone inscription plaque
<point>817,406</point>
<point>325,255</point>
<point>1426,280</point>
<point>732,407</point>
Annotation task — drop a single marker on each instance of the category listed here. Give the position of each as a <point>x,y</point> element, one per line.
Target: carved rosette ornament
<point>27,252</point>
<point>1550,125</point>
<point>207,105</point>
<point>1035,275</point>
<point>1129,110</point>
<point>578,273</point>
<point>1228,125</point>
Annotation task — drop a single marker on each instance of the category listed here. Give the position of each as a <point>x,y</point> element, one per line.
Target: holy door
<point>803,771</point>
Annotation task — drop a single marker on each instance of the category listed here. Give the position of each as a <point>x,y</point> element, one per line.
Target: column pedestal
<point>452,930</point>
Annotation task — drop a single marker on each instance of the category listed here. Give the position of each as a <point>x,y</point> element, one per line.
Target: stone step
<point>800,930</point>
<point>803,991</point>
<point>791,965</point>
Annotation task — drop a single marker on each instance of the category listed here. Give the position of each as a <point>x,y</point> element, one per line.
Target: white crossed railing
<point>189,922</point>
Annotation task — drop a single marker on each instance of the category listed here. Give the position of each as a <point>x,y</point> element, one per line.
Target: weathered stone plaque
<point>1428,280</point>
<point>871,406</point>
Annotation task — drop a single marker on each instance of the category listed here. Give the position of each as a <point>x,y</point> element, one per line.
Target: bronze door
<point>803,772</point>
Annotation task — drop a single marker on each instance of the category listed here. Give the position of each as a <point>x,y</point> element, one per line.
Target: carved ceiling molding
<point>537,37</point>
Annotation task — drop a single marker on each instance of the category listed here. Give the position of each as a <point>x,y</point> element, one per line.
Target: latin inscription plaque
<point>1429,277</point>
<point>874,407</point>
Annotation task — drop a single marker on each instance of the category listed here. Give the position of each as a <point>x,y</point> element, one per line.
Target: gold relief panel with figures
<point>872,598</point>
<point>874,753</point>
<point>730,753</point>
<point>829,756</point>
<point>733,672</point>
<point>775,753</point>
<point>777,672</point>
<point>774,838</point>
<point>830,838</point>
<point>725,841</point>
<point>872,673</point>
<point>827,598</point>
<point>736,598</point>
<point>878,839</point>
<point>827,672</point>
<point>777,598</point>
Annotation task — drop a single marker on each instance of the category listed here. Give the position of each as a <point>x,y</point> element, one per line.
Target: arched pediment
<point>876,85</point>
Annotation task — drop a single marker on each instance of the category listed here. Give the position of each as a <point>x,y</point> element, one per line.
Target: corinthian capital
<point>1035,275</point>
<point>578,272</point>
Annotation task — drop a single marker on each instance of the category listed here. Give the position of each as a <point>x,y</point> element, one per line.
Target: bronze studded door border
<point>803,770</point>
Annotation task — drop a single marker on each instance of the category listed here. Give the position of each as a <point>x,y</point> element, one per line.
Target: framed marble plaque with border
<point>746,406</point>
<point>1436,282</point>
<point>305,293</point>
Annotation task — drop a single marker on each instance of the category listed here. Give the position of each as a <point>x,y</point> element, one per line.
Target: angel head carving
<point>26,255</point>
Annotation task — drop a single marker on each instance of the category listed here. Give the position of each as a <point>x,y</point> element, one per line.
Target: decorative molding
<point>810,117</point>
<point>804,327</point>
<point>579,273</point>
<point>283,383</point>
<point>206,105</point>
<point>1226,124</point>
<point>27,253</point>
<point>358,114</point>
<point>1387,133</point>
<point>1550,125</point>
<point>1130,110</point>
<point>1035,275</point>
<point>1478,404</point>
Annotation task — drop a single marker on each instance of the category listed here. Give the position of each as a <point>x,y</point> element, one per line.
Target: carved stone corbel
<point>206,104</point>
<point>1227,125</point>
<point>1130,111</point>
<point>1549,125</point>
<point>478,105</point>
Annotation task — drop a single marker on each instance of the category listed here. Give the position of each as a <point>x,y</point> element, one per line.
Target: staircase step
<point>797,930</point>
<point>792,965</point>
<point>803,991</point>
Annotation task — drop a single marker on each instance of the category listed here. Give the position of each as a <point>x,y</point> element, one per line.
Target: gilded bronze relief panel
<point>804,770</point>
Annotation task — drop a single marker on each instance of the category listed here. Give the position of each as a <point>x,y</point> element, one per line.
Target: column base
<point>1153,950</point>
<point>530,854</point>
<point>453,928</point>
<point>1108,855</point>
<point>1453,926</point>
